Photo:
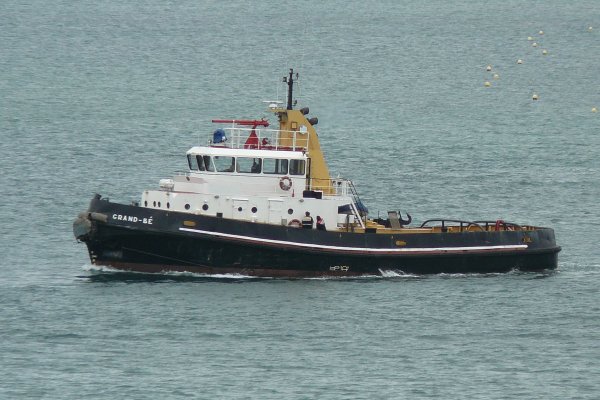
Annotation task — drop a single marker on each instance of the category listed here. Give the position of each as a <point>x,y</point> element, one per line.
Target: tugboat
<point>261,202</point>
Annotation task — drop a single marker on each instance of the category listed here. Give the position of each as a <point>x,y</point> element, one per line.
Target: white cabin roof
<point>253,153</point>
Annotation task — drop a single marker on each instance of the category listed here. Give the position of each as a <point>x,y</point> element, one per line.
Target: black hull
<point>145,240</point>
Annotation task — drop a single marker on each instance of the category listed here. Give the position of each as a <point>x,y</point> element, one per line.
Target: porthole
<point>254,210</point>
<point>290,211</point>
<point>205,207</point>
<point>145,203</point>
<point>187,206</point>
<point>168,205</point>
<point>159,204</point>
<point>154,204</point>
<point>240,209</point>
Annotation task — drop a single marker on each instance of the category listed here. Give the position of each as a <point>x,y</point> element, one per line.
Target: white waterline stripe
<point>359,249</point>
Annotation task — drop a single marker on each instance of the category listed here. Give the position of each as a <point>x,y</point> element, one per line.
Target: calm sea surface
<point>107,96</point>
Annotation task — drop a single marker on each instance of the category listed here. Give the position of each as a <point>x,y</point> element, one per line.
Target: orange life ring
<point>295,223</point>
<point>285,183</point>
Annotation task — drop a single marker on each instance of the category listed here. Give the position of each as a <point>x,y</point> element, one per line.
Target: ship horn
<point>402,221</point>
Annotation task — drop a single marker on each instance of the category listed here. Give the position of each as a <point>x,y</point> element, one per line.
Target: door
<point>275,211</point>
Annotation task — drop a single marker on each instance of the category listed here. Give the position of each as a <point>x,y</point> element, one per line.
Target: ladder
<point>353,205</point>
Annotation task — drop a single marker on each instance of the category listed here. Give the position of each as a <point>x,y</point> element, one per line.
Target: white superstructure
<point>253,179</point>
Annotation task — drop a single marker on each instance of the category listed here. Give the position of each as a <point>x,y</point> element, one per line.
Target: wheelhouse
<point>219,160</point>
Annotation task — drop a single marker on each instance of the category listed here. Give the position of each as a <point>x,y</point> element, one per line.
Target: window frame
<point>191,157</point>
<point>277,163</point>
<point>211,166</point>
<point>219,165</point>
<point>251,160</point>
<point>301,163</point>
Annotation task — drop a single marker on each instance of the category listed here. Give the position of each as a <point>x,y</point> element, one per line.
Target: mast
<point>290,83</point>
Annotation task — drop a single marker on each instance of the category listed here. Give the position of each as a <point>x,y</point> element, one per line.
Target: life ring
<point>295,223</point>
<point>285,183</point>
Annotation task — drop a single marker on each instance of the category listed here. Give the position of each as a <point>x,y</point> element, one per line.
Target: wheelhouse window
<point>224,163</point>
<point>248,165</point>
<point>200,161</point>
<point>297,167</point>
<point>275,166</point>
<point>208,165</point>
<point>192,162</point>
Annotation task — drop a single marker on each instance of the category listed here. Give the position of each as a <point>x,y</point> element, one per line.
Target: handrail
<point>357,215</point>
<point>456,221</point>
<point>354,192</point>
<point>504,224</point>
<point>355,202</point>
<point>333,186</point>
<point>263,139</point>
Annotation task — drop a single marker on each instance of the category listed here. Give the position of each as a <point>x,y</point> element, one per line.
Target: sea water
<point>107,96</point>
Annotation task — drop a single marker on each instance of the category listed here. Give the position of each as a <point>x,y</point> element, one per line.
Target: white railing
<point>332,187</point>
<point>262,139</point>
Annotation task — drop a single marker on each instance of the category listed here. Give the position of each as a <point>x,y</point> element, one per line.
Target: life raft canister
<point>285,183</point>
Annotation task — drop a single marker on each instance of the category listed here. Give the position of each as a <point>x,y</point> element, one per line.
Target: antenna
<point>302,53</point>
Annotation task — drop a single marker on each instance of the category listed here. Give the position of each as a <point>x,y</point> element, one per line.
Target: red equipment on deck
<point>252,141</point>
<point>244,122</point>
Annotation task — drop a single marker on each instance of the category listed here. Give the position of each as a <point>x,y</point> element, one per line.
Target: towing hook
<point>403,221</point>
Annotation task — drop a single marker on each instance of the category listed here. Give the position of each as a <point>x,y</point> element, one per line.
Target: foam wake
<point>389,273</point>
<point>103,269</point>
